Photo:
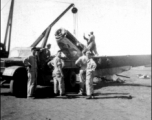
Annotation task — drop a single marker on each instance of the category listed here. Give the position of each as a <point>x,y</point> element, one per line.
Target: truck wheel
<point>72,79</point>
<point>12,87</point>
<point>73,85</point>
<point>18,86</point>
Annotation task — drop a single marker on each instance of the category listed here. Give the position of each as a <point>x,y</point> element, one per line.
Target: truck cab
<point>13,70</point>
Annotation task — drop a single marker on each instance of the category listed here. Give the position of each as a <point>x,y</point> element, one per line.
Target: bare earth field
<point>130,100</point>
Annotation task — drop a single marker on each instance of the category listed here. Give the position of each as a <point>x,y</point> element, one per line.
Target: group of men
<point>88,67</point>
<point>86,74</point>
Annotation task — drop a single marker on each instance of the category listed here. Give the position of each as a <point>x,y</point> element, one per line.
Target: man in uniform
<point>91,66</point>
<point>45,53</point>
<point>31,65</point>
<point>48,51</point>
<point>44,58</point>
<point>58,64</point>
<point>82,62</point>
<point>91,45</point>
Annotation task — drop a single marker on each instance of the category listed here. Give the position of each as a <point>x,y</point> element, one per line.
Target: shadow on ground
<point>102,96</point>
<point>115,83</point>
<point>47,92</point>
<point>112,95</point>
<point>43,92</point>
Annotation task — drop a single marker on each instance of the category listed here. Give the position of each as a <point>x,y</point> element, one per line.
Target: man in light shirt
<point>91,66</point>
<point>48,51</point>
<point>82,63</point>
<point>58,64</point>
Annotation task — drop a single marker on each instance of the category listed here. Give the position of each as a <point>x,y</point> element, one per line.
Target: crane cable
<point>75,23</point>
<point>53,1</point>
<point>5,5</point>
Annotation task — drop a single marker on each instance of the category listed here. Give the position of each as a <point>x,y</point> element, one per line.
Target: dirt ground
<point>130,100</point>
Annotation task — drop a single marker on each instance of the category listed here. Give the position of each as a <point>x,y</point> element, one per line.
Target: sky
<point>121,27</point>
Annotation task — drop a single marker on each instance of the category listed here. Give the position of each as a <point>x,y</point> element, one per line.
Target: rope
<point>5,5</point>
<point>75,23</point>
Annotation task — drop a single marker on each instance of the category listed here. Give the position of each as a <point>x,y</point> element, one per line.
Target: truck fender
<point>18,80</point>
<point>10,71</point>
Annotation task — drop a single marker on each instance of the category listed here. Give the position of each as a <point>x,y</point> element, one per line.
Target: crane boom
<point>46,32</point>
<point>5,49</point>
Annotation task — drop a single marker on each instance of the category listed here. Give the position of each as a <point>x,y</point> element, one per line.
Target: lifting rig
<point>13,71</point>
<point>46,32</point>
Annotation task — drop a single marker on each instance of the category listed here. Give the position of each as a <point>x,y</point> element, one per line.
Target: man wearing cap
<point>91,66</point>
<point>91,45</point>
<point>45,53</point>
<point>31,65</point>
<point>58,64</point>
<point>48,53</point>
<point>82,63</point>
<point>44,58</point>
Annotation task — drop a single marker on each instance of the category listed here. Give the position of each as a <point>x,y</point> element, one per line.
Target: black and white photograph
<point>75,60</point>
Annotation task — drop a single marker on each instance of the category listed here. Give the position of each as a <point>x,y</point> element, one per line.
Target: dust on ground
<point>130,100</point>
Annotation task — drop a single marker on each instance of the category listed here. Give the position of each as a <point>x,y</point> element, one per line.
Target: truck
<point>13,70</point>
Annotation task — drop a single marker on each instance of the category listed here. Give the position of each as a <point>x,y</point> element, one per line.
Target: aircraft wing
<point>106,65</point>
<point>109,65</point>
<point>118,61</point>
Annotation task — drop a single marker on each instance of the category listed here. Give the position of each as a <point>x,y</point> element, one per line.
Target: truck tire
<point>73,82</point>
<point>18,86</point>
<point>70,81</point>
<point>12,87</point>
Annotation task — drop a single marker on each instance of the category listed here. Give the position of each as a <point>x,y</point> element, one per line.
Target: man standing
<point>48,53</point>
<point>91,66</point>
<point>91,45</point>
<point>44,58</point>
<point>82,62</point>
<point>45,53</point>
<point>58,64</point>
<point>31,64</point>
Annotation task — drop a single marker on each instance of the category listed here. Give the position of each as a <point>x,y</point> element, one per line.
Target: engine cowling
<point>69,45</point>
